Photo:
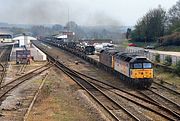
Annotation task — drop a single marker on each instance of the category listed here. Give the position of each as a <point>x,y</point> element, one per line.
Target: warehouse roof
<point>22,38</point>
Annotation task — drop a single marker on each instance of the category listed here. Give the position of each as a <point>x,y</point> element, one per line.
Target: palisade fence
<point>152,55</point>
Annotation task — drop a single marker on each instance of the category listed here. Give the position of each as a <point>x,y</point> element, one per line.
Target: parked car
<point>149,47</point>
<point>132,44</point>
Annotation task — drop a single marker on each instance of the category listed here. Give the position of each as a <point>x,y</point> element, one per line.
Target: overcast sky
<point>83,12</point>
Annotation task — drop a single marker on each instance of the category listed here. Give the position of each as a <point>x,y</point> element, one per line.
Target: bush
<point>177,67</point>
<point>173,39</point>
<point>157,58</point>
<point>168,60</point>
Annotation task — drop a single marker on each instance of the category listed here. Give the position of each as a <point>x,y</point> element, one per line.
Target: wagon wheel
<point>1,67</point>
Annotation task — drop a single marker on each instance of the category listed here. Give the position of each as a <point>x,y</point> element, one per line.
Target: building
<point>23,51</point>
<point>6,38</point>
<point>64,35</point>
<point>23,40</point>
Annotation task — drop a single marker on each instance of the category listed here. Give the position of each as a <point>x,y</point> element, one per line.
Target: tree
<point>128,33</point>
<point>168,60</point>
<point>16,30</point>
<point>174,18</point>
<point>57,27</point>
<point>177,68</point>
<point>157,58</point>
<point>71,25</point>
<point>41,31</point>
<point>150,26</point>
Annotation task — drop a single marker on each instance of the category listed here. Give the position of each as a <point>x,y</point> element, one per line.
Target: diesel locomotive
<point>134,69</point>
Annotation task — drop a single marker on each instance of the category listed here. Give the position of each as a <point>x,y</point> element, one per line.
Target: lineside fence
<point>152,55</point>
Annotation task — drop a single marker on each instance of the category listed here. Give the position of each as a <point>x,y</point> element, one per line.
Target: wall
<point>37,54</point>
<point>151,54</point>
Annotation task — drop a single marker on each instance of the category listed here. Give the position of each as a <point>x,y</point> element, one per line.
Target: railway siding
<point>172,118</point>
<point>15,100</point>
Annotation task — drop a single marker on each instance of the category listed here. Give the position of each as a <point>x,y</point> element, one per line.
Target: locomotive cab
<point>134,69</point>
<point>140,68</point>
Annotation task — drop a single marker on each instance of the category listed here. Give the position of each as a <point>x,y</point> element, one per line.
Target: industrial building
<point>64,35</point>
<point>24,52</point>
<point>23,40</point>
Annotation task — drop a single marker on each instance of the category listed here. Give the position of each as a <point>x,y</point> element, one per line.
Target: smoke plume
<point>54,12</point>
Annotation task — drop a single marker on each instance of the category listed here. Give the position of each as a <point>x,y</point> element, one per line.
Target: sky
<point>83,12</point>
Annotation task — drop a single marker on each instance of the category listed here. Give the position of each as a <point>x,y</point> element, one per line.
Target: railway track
<point>5,89</point>
<point>162,100</point>
<point>2,74</point>
<point>166,83</point>
<point>109,104</point>
<point>137,100</point>
<point>168,100</point>
<point>21,69</point>
<point>176,105</point>
<point>4,57</point>
<point>154,107</point>
<point>168,86</point>
<point>109,91</point>
<point>146,104</point>
<point>172,96</point>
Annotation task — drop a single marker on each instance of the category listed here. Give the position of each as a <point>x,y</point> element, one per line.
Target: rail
<point>76,77</point>
<point>6,88</point>
<point>4,61</point>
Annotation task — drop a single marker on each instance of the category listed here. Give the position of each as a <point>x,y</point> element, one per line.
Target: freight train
<point>134,69</point>
<point>86,49</point>
<point>71,45</point>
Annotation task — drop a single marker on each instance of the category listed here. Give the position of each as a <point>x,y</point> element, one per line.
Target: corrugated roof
<point>22,37</point>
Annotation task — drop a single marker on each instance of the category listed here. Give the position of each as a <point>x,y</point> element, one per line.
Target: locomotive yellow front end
<point>141,73</point>
<point>134,69</point>
<point>141,70</point>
